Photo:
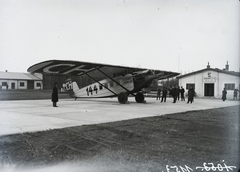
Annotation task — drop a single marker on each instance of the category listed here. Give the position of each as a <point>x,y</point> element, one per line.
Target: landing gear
<point>122,98</point>
<point>139,97</point>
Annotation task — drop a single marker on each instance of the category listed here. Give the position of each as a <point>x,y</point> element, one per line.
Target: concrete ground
<point>36,115</point>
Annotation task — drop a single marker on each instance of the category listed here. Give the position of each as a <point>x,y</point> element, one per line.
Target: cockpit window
<point>111,84</point>
<point>106,85</point>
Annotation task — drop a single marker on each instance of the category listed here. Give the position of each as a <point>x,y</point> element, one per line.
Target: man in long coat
<point>182,94</point>
<point>224,94</point>
<point>235,93</point>
<point>55,95</point>
<point>178,92</point>
<point>190,95</point>
<point>174,94</point>
<point>158,93</point>
<point>164,94</point>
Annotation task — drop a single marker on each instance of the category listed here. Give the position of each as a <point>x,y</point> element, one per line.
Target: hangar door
<point>208,89</point>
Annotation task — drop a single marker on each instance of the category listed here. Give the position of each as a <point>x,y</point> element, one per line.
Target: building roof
<point>212,69</point>
<point>19,76</point>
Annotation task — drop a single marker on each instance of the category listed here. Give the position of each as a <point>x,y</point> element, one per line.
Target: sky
<point>173,35</point>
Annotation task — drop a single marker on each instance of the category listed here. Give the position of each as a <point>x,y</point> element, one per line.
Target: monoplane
<point>120,81</point>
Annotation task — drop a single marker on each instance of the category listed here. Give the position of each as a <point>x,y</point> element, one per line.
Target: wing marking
<point>80,68</point>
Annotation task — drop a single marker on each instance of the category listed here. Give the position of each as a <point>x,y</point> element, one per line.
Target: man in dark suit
<point>190,95</point>
<point>224,94</point>
<point>164,94</point>
<point>182,94</point>
<point>174,93</point>
<point>178,92</point>
<point>55,95</point>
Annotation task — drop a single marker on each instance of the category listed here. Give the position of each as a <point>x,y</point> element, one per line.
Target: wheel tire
<point>139,97</point>
<point>122,98</point>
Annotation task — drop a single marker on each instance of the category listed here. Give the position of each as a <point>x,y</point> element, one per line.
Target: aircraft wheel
<point>139,97</point>
<point>122,98</point>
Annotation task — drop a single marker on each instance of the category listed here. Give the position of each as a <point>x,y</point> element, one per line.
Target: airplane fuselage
<point>112,87</point>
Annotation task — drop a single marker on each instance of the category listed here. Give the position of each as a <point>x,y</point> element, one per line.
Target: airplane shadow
<point>112,101</point>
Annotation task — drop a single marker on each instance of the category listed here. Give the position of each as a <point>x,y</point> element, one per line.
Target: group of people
<point>176,93</point>
<point>235,94</point>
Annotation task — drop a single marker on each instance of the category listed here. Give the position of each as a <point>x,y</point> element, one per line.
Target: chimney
<point>208,66</point>
<point>227,66</point>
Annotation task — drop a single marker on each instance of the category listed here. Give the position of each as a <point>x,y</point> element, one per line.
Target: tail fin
<point>75,86</point>
<point>68,86</point>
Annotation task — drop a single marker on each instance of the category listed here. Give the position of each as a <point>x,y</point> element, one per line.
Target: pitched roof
<point>212,69</point>
<point>19,76</point>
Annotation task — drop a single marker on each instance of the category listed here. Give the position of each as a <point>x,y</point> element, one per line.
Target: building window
<point>190,85</point>
<point>22,84</point>
<point>4,84</point>
<point>100,87</point>
<point>229,86</point>
<point>38,84</point>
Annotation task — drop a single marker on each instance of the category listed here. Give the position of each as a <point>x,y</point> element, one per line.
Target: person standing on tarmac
<point>235,93</point>
<point>55,95</point>
<point>178,92</point>
<point>224,94</point>
<point>182,94</point>
<point>174,94</point>
<point>158,93</point>
<point>190,95</point>
<point>164,94</point>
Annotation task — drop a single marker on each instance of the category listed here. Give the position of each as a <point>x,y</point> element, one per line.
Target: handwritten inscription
<point>178,168</point>
<point>205,167</point>
<point>217,167</point>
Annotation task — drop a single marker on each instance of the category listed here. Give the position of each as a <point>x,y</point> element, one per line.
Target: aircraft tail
<point>70,86</point>
<point>75,86</point>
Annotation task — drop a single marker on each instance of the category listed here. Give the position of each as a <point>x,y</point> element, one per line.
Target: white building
<point>210,82</point>
<point>14,81</point>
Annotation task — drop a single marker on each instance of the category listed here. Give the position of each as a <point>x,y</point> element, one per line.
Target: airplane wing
<point>68,67</point>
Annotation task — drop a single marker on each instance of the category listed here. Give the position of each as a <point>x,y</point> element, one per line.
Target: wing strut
<point>114,81</point>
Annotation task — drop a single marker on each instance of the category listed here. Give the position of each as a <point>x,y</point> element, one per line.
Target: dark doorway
<point>30,84</point>
<point>13,86</point>
<point>209,90</point>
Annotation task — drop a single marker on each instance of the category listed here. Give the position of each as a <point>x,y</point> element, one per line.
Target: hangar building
<point>210,82</point>
<point>16,81</point>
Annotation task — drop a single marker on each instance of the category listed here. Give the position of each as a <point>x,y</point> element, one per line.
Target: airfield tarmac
<point>38,115</point>
<point>143,138</point>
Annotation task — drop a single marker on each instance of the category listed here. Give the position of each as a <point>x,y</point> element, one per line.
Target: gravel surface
<point>159,143</point>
